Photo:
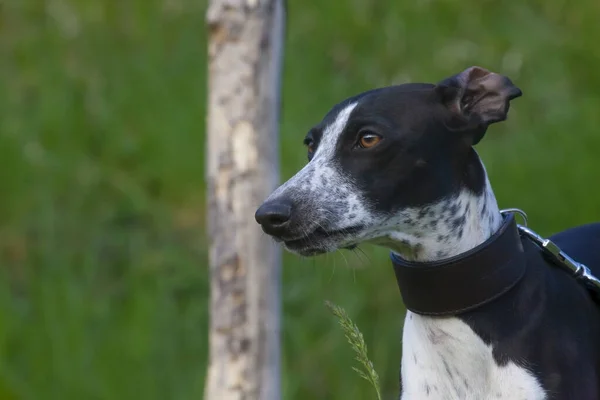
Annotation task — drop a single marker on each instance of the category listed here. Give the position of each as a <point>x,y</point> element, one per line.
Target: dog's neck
<point>447,228</point>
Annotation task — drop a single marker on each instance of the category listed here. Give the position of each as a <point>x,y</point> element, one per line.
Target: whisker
<point>357,255</point>
<point>344,257</point>
<point>332,272</point>
<point>364,253</point>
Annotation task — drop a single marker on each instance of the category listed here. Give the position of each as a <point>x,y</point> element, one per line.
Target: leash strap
<point>578,270</point>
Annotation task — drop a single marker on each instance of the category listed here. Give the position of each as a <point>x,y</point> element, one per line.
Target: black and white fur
<point>422,192</point>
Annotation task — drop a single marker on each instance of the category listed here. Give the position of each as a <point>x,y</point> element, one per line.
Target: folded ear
<point>477,98</point>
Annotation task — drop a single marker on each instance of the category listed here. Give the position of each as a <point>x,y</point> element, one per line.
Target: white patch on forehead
<point>321,192</point>
<point>332,132</point>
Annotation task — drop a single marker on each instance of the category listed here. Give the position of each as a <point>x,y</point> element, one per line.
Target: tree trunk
<point>245,52</point>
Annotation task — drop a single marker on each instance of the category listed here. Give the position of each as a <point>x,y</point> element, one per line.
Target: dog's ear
<point>477,98</point>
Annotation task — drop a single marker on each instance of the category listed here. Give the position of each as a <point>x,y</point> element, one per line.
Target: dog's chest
<point>443,359</point>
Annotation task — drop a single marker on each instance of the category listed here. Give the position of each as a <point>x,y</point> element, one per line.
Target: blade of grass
<point>357,343</point>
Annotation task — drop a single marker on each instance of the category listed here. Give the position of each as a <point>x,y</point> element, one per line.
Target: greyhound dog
<point>489,317</point>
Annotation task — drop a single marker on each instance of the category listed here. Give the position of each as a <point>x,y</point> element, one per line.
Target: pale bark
<point>245,52</point>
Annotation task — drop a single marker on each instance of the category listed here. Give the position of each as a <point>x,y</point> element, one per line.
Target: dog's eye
<point>368,139</point>
<point>310,147</point>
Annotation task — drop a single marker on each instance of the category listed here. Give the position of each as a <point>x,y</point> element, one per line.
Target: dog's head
<point>380,160</point>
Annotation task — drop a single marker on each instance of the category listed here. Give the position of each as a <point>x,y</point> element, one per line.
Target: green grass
<point>103,271</point>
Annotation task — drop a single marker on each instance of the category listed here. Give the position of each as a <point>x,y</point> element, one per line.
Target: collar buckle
<point>517,211</point>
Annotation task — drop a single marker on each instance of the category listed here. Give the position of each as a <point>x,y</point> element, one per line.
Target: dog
<point>396,167</point>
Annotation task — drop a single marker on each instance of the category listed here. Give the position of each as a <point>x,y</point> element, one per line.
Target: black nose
<point>274,215</point>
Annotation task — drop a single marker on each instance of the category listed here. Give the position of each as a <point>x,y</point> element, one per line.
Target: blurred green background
<point>103,271</point>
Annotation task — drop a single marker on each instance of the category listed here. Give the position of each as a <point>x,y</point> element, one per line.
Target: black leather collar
<point>467,281</point>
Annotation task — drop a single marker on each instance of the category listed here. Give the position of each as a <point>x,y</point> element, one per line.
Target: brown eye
<point>310,146</point>
<point>368,140</point>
